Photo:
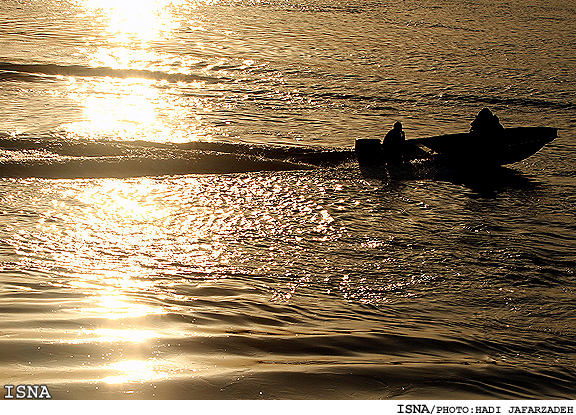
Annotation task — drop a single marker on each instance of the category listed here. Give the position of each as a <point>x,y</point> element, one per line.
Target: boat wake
<point>9,70</point>
<point>62,158</point>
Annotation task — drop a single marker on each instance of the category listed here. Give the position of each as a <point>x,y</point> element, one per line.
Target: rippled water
<point>215,274</point>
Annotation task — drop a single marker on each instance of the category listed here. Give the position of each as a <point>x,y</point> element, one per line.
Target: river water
<point>148,251</point>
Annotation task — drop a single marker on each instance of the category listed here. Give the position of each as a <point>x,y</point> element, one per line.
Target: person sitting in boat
<point>486,123</point>
<point>393,144</point>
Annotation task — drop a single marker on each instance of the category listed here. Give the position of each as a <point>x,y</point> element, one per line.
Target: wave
<point>389,101</point>
<point>519,102</point>
<point>57,158</point>
<point>9,71</point>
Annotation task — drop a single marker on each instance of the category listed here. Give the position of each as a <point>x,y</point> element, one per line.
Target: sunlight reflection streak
<point>135,371</point>
<point>128,109</point>
<point>115,307</point>
<point>115,335</point>
<point>135,20</point>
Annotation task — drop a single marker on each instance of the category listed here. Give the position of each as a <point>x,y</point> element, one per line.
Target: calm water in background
<point>286,284</point>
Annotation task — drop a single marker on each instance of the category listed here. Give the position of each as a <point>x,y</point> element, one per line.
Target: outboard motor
<point>369,151</point>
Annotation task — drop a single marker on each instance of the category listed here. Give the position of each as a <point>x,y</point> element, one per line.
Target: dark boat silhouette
<point>463,150</point>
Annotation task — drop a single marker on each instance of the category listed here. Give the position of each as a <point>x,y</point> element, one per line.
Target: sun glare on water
<point>145,106</point>
<point>134,371</point>
<point>135,109</point>
<point>114,228</point>
<point>135,20</point>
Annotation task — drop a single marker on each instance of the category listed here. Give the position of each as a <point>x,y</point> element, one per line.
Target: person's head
<point>398,125</point>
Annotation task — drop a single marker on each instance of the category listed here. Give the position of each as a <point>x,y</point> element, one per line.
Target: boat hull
<point>464,149</point>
